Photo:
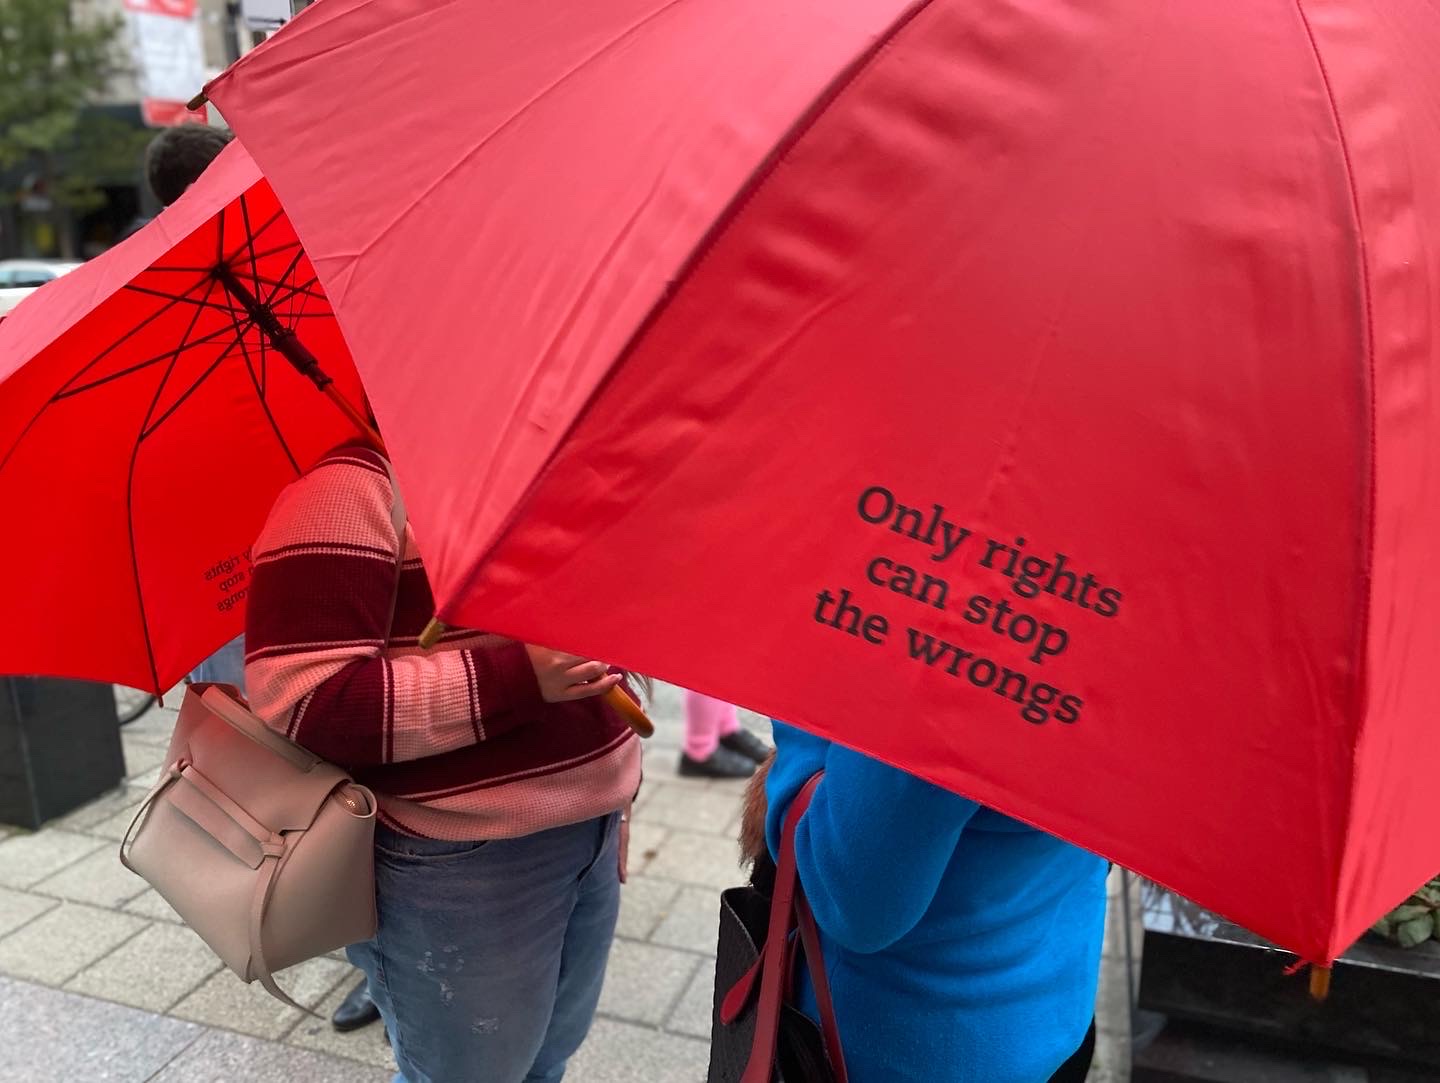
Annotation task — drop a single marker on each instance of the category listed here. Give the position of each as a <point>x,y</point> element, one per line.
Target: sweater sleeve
<point>320,606</point>
<point>872,848</point>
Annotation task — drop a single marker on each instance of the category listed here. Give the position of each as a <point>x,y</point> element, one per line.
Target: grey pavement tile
<point>140,756</point>
<point>27,859</point>
<point>644,982</point>
<point>18,908</point>
<point>226,1001</point>
<point>153,906</point>
<point>693,1014</point>
<point>99,880</point>
<point>146,780</point>
<point>643,904</point>
<point>64,941</point>
<point>664,767</point>
<point>732,829</point>
<point>1112,1001</point>
<point>155,726</point>
<point>688,807</point>
<point>219,1057</point>
<point>99,810</point>
<point>645,842</point>
<point>113,829</point>
<point>152,971</point>
<point>692,922</point>
<point>55,1037</point>
<point>619,1052</point>
<point>705,860</point>
<point>367,1045</point>
<point>1104,1073</point>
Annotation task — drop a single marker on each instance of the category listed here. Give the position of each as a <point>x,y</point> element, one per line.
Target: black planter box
<point>59,747</point>
<point>1214,978</point>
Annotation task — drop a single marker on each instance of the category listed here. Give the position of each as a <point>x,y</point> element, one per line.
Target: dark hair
<point>177,156</point>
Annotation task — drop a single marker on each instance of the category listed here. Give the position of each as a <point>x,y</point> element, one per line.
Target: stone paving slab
<point>368,1045</point>
<point>102,808</point>
<point>151,905</point>
<point>26,859</point>
<point>18,908</point>
<point>644,904</point>
<point>219,1057</point>
<point>98,879</point>
<point>692,921</point>
<point>644,981</point>
<point>140,756</point>
<point>689,807</point>
<point>224,1001</point>
<point>60,943</point>
<point>154,970</point>
<point>54,1037</point>
<point>625,1053</point>
<point>692,1015</point>
<point>692,858</point>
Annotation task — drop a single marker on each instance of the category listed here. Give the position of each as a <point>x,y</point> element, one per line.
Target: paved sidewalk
<point>100,981</point>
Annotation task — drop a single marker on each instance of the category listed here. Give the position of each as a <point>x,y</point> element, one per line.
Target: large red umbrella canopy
<point>1041,397</point>
<point>147,423</point>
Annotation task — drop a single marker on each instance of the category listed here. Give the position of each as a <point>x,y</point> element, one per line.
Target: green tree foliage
<point>54,65</point>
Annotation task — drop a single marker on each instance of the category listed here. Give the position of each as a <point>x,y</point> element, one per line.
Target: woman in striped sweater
<point>503,784</point>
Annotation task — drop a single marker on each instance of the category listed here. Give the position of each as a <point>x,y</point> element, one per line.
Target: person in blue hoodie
<point>962,946</point>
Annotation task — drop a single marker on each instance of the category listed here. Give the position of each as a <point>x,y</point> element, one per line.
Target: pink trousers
<point>706,721</point>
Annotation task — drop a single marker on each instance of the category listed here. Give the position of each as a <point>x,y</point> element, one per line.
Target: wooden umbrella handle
<point>617,698</point>
<point>631,711</point>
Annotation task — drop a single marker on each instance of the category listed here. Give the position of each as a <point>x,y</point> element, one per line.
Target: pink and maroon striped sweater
<point>456,741</point>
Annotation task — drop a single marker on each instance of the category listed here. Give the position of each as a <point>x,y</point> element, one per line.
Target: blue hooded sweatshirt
<point>962,946</point>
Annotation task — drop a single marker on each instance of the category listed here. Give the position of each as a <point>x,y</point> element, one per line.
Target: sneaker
<point>723,763</point>
<point>747,744</point>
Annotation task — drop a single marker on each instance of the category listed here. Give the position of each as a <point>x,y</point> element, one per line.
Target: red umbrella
<point>152,404</point>
<point>1040,397</point>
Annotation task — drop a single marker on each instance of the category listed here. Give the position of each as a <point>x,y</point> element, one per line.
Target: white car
<point>19,278</point>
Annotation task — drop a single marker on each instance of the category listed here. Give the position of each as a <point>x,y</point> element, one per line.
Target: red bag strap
<point>810,942</point>
<point>777,962</point>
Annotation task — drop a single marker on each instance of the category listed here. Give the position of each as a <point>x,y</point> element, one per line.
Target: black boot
<point>723,763</point>
<point>747,744</point>
<point>356,1010</point>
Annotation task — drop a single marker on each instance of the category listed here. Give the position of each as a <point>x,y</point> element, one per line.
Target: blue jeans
<point>489,956</point>
<point>225,666</point>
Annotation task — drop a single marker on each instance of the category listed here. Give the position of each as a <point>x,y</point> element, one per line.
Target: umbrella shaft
<point>281,337</point>
<point>289,346</point>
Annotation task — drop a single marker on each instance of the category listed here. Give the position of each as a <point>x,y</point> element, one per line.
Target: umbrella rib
<point>179,299</point>
<point>260,384</point>
<point>130,500</point>
<point>170,410</point>
<point>122,340</point>
<point>265,253</point>
<point>148,363</point>
<point>65,391</point>
<point>290,270</point>
<point>250,239</point>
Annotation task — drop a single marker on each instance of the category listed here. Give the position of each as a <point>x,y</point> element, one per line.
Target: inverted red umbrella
<point>1041,397</point>
<point>153,402</point>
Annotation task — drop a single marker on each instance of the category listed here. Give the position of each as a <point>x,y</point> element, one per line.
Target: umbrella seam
<point>501,128</point>
<point>742,199</point>
<point>1360,651</point>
